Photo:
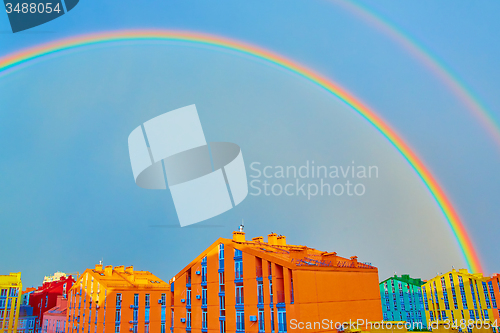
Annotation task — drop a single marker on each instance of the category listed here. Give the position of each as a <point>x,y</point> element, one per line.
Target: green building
<point>402,300</point>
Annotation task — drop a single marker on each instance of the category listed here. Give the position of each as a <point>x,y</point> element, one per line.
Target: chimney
<point>129,269</point>
<point>329,257</point>
<point>272,239</point>
<point>282,240</point>
<point>98,267</point>
<point>120,269</point>
<point>108,270</point>
<point>259,239</point>
<point>238,236</point>
<point>297,253</point>
<point>354,261</point>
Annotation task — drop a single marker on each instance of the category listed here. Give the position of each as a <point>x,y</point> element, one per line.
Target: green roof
<point>406,279</point>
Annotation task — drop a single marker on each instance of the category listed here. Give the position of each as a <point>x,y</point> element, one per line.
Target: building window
<point>203,274</point>
<point>172,320</point>
<point>147,301</point>
<point>204,319</point>
<point>222,286</point>
<point>118,315</point>
<point>272,320</point>
<point>240,321</point>
<point>239,294</point>
<point>282,321</point>
<point>238,270</point>
<point>261,321</point>
<point>462,292</point>
<point>221,256</point>
<point>118,300</point>
<point>271,291</point>
<point>188,319</point>
<point>222,326</point>
<point>260,292</point>
<point>204,296</point>
<point>222,306</point>
<point>492,294</point>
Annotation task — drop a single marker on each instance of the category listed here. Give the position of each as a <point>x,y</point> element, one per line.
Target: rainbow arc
<point>18,60</point>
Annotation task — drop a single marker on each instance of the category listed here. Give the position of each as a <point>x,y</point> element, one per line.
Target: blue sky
<point>68,188</point>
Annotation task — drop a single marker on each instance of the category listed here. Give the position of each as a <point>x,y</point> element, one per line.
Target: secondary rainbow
<point>15,61</point>
<point>426,58</point>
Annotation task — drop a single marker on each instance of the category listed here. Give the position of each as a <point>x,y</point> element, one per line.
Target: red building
<point>54,320</point>
<point>45,297</point>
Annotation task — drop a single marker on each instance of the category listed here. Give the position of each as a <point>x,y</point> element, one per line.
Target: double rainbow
<point>15,61</point>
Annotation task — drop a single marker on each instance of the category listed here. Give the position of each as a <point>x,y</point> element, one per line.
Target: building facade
<point>10,301</point>
<point>25,297</point>
<point>458,296</point>
<point>45,297</point>
<point>256,286</point>
<point>119,299</point>
<point>402,300</point>
<point>494,289</point>
<point>54,320</point>
<point>26,321</point>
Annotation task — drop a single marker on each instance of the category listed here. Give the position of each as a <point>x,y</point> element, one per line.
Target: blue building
<point>402,300</point>
<point>26,320</point>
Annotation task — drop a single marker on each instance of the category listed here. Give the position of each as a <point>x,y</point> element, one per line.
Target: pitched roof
<point>120,277</point>
<point>406,279</point>
<point>53,284</point>
<point>291,256</point>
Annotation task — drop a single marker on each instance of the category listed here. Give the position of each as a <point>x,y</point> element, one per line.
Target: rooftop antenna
<point>242,225</point>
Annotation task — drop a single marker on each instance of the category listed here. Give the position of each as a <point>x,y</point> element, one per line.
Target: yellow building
<point>10,301</point>
<point>458,297</point>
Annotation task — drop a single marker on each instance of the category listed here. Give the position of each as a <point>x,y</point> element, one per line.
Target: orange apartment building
<point>494,289</point>
<point>256,286</point>
<point>119,299</point>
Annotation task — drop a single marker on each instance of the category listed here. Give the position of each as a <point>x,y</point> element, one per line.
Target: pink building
<point>54,319</point>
